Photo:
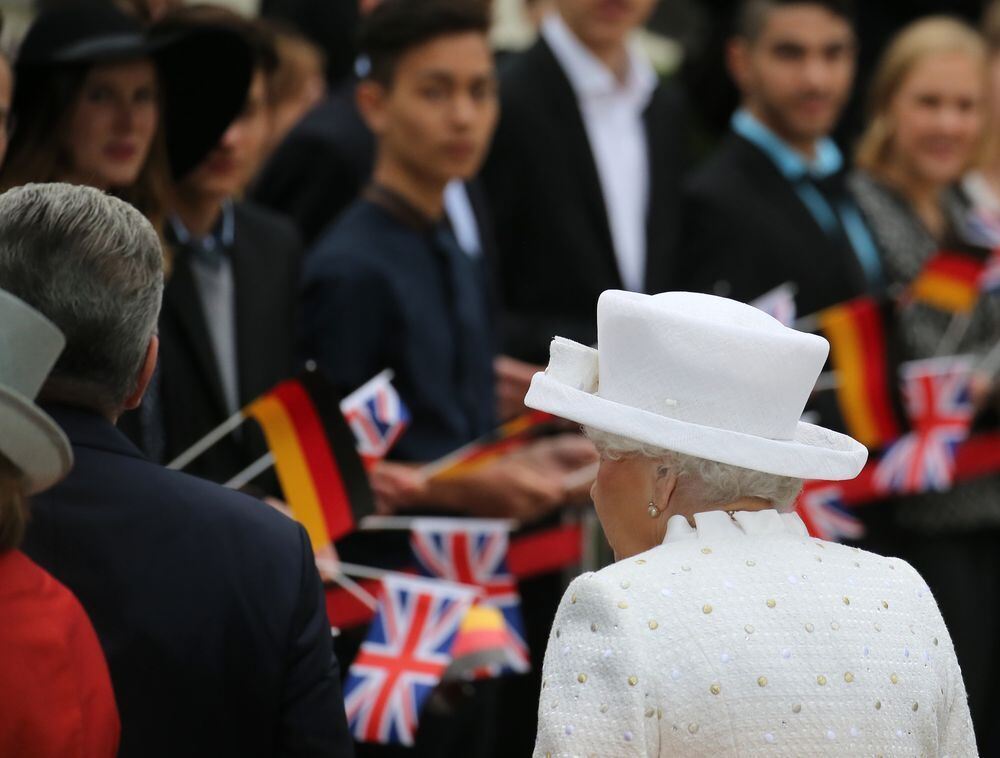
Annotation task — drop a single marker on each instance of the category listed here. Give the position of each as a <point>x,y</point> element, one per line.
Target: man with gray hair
<point>207,602</point>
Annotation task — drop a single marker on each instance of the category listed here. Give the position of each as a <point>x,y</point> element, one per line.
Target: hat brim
<point>813,453</point>
<point>33,442</point>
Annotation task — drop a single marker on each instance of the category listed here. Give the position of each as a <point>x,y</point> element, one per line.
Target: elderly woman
<point>724,629</point>
<point>55,692</point>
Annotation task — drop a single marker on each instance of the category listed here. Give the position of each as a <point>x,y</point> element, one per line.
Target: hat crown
<point>706,360</point>
<point>63,33</point>
<point>30,344</point>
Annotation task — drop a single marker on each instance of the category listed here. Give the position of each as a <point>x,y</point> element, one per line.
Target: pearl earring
<point>654,512</point>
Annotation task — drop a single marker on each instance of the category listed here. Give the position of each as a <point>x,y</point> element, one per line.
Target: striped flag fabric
<point>321,475</point>
<point>474,552</point>
<point>822,509</point>
<point>502,440</point>
<point>406,652</point>
<point>377,416</point>
<point>989,282</point>
<point>866,389</point>
<point>941,410</point>
<point>950,280</point>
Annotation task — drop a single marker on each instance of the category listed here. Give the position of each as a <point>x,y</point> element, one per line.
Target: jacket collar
<point>792,165</point>
<point>87,428</point>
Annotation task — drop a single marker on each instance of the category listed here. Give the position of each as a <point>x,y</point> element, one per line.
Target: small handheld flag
<point>404,657</point>
<point>474,552</point>
<point>950,280</point>
<point>940,408</point>
<point>821,508</point>
<point>859,348</point>
<point>318,467</point>
<point>376,415</point>
<point>778,303</point>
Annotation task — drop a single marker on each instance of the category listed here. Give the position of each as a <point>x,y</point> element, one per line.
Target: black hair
<point>751,16</point>
<point>396,26</point>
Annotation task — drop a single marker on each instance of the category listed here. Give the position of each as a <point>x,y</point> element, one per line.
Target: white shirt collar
<point>588,76</point>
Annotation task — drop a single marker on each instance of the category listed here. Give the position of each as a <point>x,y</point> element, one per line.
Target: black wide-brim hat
<point>204,71</point>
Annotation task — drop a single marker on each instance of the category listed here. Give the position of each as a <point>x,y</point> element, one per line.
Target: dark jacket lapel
<point>554,86</point>
<point>182,308</point>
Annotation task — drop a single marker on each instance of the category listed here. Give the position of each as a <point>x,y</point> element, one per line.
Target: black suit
<point>746,231</point>
<point>206,602</point>
<point>265,258</point>
<point>555,251</point>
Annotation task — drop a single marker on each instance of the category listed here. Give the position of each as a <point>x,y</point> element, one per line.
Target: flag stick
<point>957,328</point>
<point>336,573</point>
<point>251,472</point>
<point>208,440</point>
<point>405,523</point>
<point>990,364</point>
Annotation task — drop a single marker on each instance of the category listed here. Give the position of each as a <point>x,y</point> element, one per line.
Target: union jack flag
<point>402,660</point>
<point>821,508</point>
<point>474,551</point>
<point>940,409</point>
<point>778,303</point>
<point>376,415</point>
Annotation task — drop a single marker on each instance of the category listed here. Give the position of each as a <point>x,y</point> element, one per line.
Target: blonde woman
<point>928,111</point>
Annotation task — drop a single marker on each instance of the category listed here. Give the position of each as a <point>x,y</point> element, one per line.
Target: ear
<point>738,61</point>
<point>371,97</point>
<point>145,374</point>
<point>664,485</point>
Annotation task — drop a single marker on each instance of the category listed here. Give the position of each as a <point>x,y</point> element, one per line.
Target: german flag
<point>950,280</point>
<point>318,467</point>
<point>504,439</point>
<point>867,392</point>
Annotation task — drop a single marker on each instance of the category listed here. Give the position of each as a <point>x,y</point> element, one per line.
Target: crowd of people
<point>193,208</point>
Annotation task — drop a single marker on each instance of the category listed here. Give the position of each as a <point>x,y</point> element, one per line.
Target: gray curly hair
<point>712,482</point>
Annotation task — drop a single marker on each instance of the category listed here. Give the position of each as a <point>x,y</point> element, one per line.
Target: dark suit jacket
<point>745,231</point>
<point>555,254</point>
<point>266,258</point>
<point>320,167</point>
<point>206,602</point>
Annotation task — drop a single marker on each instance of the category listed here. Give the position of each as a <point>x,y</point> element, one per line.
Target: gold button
<point>748,629</point>
<point>848,677</point>
<point>847,600</point>
<point>916,706</point>
<point>558,633</point>
<point>834,625</point>
<point>573,599</point>
<point>653,625</point>
<point>706,608</point>
<point>820,680</point>
<point>797,708</point>
<point>715,689</point>
<point>593,627</point>
<point>625,585</point>
<point>878,705</point>
<point>771,603</point>
<point>633,681</point>
<point>809,628</point>
<point>659,713</point>
<point>581,678</point>
<point>935,641</point>
<point>706,551</point>
<point>622,604</point>
<point>641,561</point>
<point>751,563</point>
<point>761,681</point>
<point>693,728</point>
<point>604,708</point>
<point>885,604</point>
<point>894,679</point>
<point>650,712</point>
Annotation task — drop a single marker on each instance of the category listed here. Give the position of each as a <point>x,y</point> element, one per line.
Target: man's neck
<point>804,146</point>
<point>614,55</point>
<point>426,195</point>
<point>198,213</point>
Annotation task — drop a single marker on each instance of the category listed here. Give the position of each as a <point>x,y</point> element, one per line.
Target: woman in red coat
<point>55,692</point>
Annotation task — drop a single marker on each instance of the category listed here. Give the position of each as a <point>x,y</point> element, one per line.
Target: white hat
<point>701,375</point>
<point>29,347</point>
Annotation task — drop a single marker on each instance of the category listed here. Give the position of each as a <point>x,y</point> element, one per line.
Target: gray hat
<point>29,347</point>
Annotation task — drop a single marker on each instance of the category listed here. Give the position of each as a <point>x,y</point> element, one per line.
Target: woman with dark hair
<point>100,101</point>
<point>55,692</point>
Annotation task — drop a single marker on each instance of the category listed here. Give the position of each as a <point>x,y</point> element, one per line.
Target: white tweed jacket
<point>747,637</point>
